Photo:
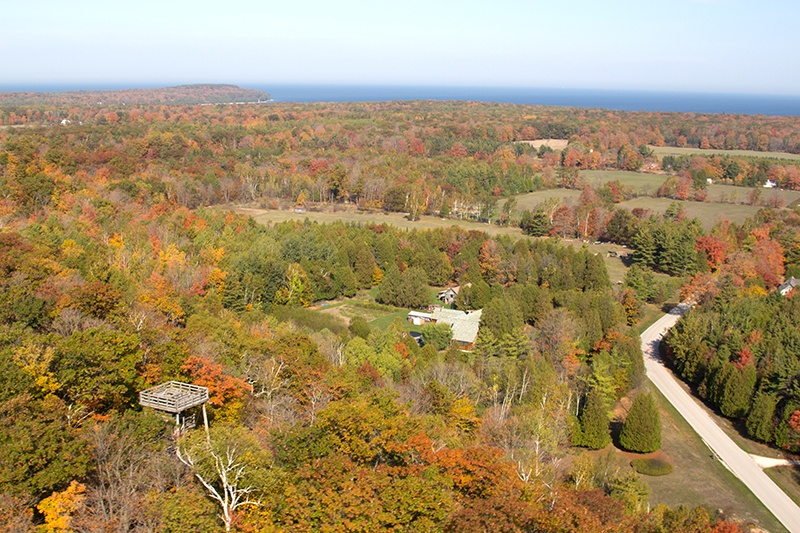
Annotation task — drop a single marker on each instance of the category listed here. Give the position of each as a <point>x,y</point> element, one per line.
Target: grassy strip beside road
<point>697,478</point>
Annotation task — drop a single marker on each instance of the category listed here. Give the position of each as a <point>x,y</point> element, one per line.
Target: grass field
<point>638,182</point>
<point>733,194</point>
<point>530,200</point>
<point>661,151</point>
<point>709,213</point>
<point>273,216</point>
<point>378,317</point>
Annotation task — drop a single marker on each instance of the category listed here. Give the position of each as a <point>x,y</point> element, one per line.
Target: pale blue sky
<point>735,46</point>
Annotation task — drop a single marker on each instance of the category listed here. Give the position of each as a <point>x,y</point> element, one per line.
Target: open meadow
<point>636,182</point>
<point>709,213</point>
<point>661,151</point>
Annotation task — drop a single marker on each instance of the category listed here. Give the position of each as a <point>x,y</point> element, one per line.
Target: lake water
<point>607,99</point>
<point>618,100</point>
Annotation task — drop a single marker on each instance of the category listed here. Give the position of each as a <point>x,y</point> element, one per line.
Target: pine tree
<point>645,245</point>
<point>737,390</point>
<point>761,419</point>
<point>594,429</point>
<point>641,431</point>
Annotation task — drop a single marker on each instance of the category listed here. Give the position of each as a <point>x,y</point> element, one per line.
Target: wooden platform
<point>173,396</point>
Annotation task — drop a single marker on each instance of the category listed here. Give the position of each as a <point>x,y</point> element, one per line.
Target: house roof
<point>464,324</point>
<point>419,314</point>
<point>790,283</point>
<point>454,290</point>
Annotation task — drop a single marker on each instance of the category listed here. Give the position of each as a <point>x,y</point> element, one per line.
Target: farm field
<point>555,144</point>
<point>661,151</point>
<point>638,182</point>
<point>709,213</point>
<point>719,192</point>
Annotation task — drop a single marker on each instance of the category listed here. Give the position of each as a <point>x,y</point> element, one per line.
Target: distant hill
<point>180,95</point>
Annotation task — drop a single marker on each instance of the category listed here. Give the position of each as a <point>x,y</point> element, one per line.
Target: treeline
<point>740,352</point>
<point>180,95</point>
<point>738,346</point>
<point>696,171</point>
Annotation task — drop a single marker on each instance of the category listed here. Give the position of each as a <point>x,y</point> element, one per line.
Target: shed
<point>418,318</point>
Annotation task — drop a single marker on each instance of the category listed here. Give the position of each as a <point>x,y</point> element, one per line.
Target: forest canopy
<point>122,268</point>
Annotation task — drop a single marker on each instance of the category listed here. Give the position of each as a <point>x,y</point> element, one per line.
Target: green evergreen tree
<point>364,266</point>
<point>502,316</point>
<point>761,419</point>
<point>737,390</point>
<point>595,275</point>
<point>593,420</point>
<point>643,282</point>
<point>408,289</point>
<point>641,431</point>
<point>644,243</point>
<point>536,224</point>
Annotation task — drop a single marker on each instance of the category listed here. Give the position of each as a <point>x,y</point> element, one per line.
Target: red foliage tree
<point>221,386</point>
<point>715,248</point>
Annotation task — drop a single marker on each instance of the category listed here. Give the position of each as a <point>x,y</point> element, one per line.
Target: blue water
<point>607,99</point>
<point>751,104</point>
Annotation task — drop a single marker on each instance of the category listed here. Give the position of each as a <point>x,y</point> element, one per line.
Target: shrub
<point>309,318</point>
<point>651,467</point>
<point>359,327</point>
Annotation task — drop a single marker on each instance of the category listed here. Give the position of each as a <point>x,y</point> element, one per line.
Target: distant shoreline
<point>617,100</point>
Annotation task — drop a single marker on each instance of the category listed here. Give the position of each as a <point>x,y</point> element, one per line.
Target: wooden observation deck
<point>173,397</point>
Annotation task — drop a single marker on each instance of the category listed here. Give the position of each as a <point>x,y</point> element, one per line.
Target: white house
<point>788,286</point>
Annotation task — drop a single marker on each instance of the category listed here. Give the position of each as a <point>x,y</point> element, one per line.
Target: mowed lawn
<point>661,151</point>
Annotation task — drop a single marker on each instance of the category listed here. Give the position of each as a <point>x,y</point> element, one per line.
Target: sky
<point>728,46</point>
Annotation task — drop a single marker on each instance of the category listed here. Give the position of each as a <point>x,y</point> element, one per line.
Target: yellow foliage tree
<point>59,507</point>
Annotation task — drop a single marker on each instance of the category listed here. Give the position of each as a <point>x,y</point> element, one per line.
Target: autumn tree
<point>296,288</point>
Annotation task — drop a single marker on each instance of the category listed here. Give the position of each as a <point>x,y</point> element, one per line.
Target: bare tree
<point>16,515</point>
<point>224,464</point>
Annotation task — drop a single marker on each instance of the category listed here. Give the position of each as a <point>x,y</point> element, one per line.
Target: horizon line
<point>70,86</point>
